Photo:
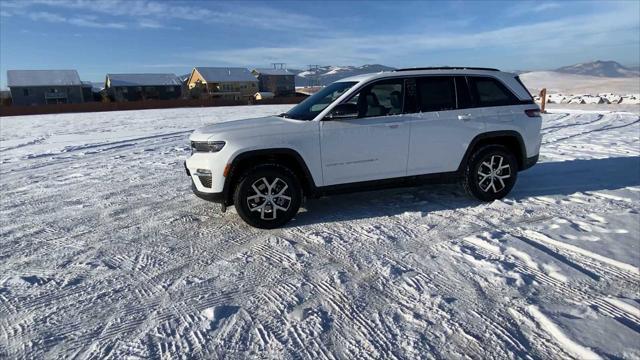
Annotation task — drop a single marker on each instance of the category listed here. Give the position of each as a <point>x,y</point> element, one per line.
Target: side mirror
<point>343,111</point>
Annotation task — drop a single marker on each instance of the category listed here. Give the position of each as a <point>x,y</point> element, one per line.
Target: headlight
<point>206,146</point>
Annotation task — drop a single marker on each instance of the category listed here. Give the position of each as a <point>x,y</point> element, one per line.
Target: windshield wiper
<point>284,115</point>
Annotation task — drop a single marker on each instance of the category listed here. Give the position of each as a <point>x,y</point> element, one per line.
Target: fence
<point>138,105</point>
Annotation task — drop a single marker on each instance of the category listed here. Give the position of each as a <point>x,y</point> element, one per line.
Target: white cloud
<point>47,16</point>
<point>558,36</point>
<point>156,14</point>
<point>84,21</point>
<point>92,23</point>
<point>150,24</point>
<point>530,8</point>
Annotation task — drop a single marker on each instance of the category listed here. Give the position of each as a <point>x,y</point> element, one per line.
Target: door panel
<point>441,134</point>
<point>439,140</point>
<point>364,149</point>
<point>372,146</point>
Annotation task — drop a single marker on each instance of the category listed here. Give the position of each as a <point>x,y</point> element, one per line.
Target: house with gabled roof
<point>148,86</point>
<point>231,83</point>
<point>39,87</point>
<point>280,82</point>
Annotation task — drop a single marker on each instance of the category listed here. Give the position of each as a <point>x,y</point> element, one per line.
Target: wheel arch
<point>284,156</point>
<point>512,140</point>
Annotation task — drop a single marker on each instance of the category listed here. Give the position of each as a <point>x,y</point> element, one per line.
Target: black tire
<point>497,185</point>
<point>260,211</point>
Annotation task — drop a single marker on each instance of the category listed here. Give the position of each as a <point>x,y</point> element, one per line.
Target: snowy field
<point>105,253</point>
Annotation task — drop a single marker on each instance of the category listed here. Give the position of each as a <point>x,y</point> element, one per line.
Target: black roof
<point>448,68</point>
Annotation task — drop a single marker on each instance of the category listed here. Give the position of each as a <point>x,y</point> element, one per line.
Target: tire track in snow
<point>577,350</point>
<point>565,290</point>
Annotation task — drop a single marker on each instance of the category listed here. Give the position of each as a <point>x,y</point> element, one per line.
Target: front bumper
<point>213,197</point>
<point>218,197</point>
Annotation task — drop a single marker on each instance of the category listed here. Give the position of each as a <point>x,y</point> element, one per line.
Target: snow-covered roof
<point>43,78</point>
<point>225,74</point>
<point>143,79</point>
<point>267,71</point>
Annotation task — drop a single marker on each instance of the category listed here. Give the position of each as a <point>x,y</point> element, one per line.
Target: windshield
<point>314,104</point>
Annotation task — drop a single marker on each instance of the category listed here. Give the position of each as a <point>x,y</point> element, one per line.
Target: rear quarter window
<point>491,92</point>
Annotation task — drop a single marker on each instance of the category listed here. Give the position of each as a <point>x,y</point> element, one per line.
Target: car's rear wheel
<point>268,196</point>
<point>491,173</point>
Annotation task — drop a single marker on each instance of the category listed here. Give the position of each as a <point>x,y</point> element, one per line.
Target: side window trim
<point>455,91</point>
<point>475,102</point>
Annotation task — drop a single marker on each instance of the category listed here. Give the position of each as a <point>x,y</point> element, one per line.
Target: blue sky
<point>164,36</point>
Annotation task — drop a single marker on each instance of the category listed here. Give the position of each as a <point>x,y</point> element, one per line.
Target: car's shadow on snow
<point>545,179</point>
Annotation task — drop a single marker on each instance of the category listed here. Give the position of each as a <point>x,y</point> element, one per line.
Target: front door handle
<point>465,117</point>
<point>393,126</point>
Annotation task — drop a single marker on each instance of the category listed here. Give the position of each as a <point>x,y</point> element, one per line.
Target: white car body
<point>344,151</point>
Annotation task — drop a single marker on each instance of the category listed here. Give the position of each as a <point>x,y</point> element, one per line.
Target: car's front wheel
<point>491,173</point>
<point>268,196</point>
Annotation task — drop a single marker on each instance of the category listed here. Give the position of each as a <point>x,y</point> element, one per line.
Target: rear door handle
<point>465,117</point>
<point>393,126</point>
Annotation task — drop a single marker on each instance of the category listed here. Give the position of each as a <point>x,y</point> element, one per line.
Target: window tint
<point>436,93</point>
<point>380,99</point>
<point>411,96</point>
<point>462,91</point>
<point>490,92</point>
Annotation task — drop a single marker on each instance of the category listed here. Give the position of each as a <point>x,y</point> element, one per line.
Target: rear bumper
<point>530,162</point>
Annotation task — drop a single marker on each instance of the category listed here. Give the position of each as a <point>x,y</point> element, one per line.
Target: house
<point>280,82</point>
<point>87,91</point>
<point>231,83</point>
<point>39,87</point>
<point>134,87</point>
<point>263,95</point>
<point>5,97</point>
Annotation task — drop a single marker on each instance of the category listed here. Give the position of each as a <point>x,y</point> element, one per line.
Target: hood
<point>241,128</point>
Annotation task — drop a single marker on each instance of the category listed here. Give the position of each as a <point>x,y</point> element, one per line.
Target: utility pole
<point>313,79</point>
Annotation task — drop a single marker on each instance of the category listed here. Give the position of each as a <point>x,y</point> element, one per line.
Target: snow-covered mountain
<point>327,74</point>
<point>558,82</point>
<point>599,68</point>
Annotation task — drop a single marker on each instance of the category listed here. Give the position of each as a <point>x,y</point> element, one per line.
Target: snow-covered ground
<point>104,252</point>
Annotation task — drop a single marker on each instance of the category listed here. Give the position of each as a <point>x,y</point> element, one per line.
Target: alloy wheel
<point>492,174</point>
<point>269,197</point>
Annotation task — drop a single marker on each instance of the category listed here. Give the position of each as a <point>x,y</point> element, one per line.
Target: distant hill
<point>599,68</point>
<point>328,74</point>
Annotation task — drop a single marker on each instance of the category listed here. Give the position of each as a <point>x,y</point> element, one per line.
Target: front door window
<point>380,99</point>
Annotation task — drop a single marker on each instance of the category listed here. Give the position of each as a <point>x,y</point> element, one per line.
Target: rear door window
<point>436,93</point>
<point>490,92</point>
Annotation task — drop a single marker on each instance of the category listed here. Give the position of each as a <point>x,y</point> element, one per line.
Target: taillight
<point>532,112</point>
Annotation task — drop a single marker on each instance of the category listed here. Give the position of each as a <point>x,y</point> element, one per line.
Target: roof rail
<point>448,68</point>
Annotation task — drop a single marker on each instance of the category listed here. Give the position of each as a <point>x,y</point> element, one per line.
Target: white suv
<point>408,126</point>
